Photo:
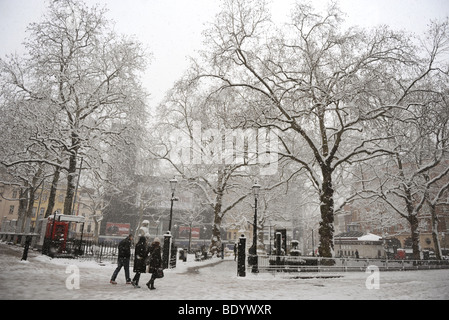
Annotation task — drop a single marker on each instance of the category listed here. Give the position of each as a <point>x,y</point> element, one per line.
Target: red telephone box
<point>60,236</point>
<point>57,231</point>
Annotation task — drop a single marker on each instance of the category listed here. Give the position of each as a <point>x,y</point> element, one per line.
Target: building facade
<point>10,198</point>
<point>356,244</point>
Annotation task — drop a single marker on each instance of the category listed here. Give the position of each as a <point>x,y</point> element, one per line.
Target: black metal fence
<point>104,252</point>
<point>275,264</point>
<point>83,250</point>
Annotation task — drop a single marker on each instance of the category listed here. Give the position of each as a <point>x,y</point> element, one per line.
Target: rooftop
<point>358,235</point>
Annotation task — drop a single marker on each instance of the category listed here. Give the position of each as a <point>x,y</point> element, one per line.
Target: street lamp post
<point>167,237</point>
<point>173,183</point>
<point>190,234</point>
<point>255,268</point>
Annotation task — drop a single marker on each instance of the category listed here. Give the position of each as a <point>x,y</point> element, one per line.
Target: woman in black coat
<point>140,255</point>
<point>155,261</point>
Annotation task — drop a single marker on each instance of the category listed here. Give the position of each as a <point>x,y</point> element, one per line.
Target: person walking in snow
<point>140,255</point>
<point>124,254</point>
<point>155,262</point>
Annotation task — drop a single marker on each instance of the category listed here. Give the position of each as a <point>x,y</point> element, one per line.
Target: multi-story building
<point>9,205</point>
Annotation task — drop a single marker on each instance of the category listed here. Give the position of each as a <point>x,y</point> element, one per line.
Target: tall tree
<point>87,76</point>
<point>415,174</point>
<point>320,85</point>
<point>192,133</point>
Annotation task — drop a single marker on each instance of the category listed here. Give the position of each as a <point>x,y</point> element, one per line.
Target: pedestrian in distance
<point>155,265</point>
<point>124,254</point>
<point>140,256</point>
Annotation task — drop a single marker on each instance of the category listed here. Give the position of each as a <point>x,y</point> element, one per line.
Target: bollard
<point>167,248</point>
<point>101,252</point>
<point>241,269</point>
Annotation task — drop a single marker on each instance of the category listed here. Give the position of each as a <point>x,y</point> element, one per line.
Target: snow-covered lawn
<point>41,277</point>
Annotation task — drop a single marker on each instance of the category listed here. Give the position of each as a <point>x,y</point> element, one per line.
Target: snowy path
<point>43,278</point>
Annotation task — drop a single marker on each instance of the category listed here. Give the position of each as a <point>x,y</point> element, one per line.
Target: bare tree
<point>321,86</point>
<point>415,175</point>
<point>86,75</point>
<point>199,157</point>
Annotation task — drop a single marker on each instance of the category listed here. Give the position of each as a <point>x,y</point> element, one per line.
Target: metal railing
<point>272,263</point>
<point>83,250</point>
<point>103,252</point>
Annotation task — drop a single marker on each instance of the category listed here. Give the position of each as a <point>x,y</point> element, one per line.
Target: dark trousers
<point>136,278</point>
<point>153,277</point>
<point>122,262</point>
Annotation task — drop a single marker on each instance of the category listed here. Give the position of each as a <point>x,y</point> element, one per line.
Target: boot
<point>150,285</point>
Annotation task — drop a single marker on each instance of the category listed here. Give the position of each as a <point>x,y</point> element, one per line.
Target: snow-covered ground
<point>41,277</point>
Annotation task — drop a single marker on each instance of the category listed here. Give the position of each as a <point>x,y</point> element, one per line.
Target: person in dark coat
<point>155,261</point>
<point>124,254</point>
<point>140,255</point>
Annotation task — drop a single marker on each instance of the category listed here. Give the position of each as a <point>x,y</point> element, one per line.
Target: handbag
<point>159,273</point>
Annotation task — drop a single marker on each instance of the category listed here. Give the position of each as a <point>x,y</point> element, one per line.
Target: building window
<point>11,209</point>
<point>14,194</point>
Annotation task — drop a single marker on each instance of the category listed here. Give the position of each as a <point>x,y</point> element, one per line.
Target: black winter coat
<point>140,255</point>
<point>155,257</point>
<point>124,248</point>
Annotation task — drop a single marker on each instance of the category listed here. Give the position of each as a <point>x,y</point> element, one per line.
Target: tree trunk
<point>215,243</point>
<point>326,229</point>
<point>33,190</point>
<point>23,204</point>
<point>413,219</point>
<point>53,189</point>
<point>96,231</point>
<point>30,206</point>
<point>71,175</point>
<point>436,240</point>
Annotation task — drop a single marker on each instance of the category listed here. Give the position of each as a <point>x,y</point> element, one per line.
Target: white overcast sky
<point>171,29</point>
